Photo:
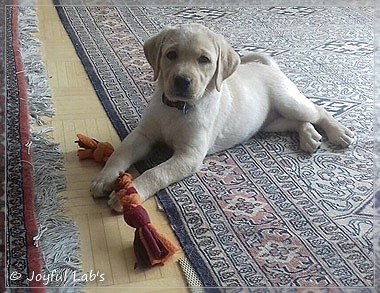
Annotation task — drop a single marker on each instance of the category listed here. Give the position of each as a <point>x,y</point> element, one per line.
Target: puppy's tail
<point>260,58</point>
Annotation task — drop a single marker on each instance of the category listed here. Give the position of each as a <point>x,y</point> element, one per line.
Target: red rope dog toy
<point>151,247</point>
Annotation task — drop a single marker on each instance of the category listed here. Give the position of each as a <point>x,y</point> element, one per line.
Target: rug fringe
<point>58,236</point>
<point>39,96</point>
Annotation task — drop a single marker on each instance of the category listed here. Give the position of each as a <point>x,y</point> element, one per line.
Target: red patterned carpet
<point>2,157</point>
<point>40,243</point>
<point>23,256</point>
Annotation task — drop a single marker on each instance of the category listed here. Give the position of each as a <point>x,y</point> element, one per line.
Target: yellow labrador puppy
<point>209,99</point>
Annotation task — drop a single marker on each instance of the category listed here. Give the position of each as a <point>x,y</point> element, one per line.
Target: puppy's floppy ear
<point>152,50</point>
<point>228,61</point>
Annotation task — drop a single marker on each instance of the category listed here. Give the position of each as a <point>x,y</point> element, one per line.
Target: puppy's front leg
<point>181,165</point>
<point>132,149</point>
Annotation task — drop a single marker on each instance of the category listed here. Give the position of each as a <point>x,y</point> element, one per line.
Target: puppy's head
<point>188,59</point>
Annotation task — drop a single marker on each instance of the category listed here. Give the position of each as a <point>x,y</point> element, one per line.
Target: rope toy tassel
<point>151,247</point>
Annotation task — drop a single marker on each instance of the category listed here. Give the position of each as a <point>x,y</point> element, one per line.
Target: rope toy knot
<point>136,217</point>
<point>151,248</point>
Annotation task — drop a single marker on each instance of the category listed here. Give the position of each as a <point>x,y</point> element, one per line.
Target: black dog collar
<point>180,105</point>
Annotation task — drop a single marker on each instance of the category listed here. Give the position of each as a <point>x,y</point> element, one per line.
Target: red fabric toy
<point>151,247</point>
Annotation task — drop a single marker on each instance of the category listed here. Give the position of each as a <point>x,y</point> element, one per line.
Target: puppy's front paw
<point>104,184</point>
<point>114,203</point>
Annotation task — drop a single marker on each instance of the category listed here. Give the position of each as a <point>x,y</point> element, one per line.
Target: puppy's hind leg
<point>310,139</point>
<point>292,105</point>
<point>337,133</point>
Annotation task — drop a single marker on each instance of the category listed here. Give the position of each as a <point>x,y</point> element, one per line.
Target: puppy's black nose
<point>182,83</point>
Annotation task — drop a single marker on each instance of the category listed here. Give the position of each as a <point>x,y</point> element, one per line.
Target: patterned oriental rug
<point>2,155</point>
<point>23,256</point>
<point>41,244</point>
<point>262,214</point>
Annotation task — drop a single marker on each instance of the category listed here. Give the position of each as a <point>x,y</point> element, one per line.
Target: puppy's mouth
<point>180,97</point>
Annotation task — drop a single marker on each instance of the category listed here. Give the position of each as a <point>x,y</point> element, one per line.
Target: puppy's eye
<point>172,55</point>
<point>204,60</point>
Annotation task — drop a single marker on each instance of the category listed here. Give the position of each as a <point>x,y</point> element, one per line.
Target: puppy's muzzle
<point>182,84</point>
